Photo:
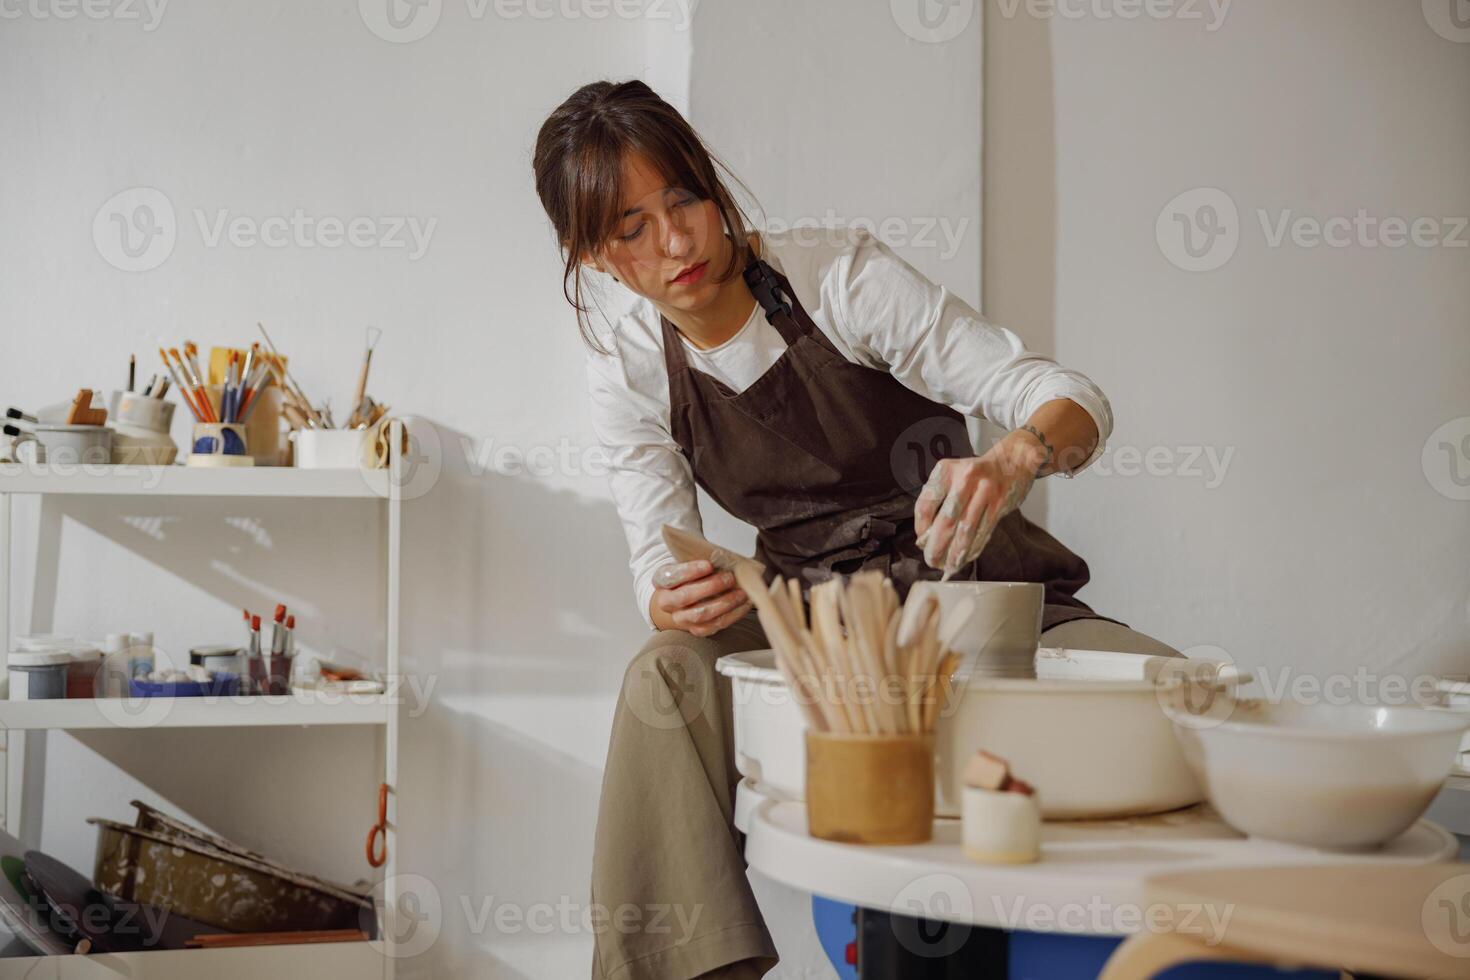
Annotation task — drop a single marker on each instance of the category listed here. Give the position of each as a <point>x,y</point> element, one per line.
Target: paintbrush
<point>196,387</point>
<point>287,382</point>
<point>184,392</point>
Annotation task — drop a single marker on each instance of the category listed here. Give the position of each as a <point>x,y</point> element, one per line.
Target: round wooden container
<point>870,789</point>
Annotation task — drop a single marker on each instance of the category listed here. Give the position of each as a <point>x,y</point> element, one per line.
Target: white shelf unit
<point>229,712</point>
<point>347,960</point>
<point>187,481</point>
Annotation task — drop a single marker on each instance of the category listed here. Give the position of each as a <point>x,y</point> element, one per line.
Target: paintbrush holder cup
<point>219,444</point>
<point>263,427</point>
<point>270,674</point>
<point>870,789</point>
<point>140,412</point>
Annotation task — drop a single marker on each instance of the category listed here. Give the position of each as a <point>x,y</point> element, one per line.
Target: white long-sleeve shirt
<point>876,309</point>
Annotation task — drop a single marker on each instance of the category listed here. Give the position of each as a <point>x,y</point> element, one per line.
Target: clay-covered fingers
<point>965,485</point>
<point>729,618</point>
<point>973,530</point>
<point>673,575</point>
<point>700,599</point>
<point>701,591</point>
<point>926,508</point>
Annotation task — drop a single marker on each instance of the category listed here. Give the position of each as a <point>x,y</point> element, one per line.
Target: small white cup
<point>330,449</point>
<point>1000,827</point>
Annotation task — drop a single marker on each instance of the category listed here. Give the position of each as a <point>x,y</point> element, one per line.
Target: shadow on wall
<point>302,796</point>
<point>322,558</point>
<point>518,622</point>
<point>518,611</point>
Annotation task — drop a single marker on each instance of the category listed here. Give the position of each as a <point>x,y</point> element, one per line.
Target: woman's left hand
<point>965,499</point>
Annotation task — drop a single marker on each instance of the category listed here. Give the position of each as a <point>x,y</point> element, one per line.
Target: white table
<point>1090,879</point>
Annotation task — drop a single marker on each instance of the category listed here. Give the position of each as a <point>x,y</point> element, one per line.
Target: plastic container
<point>38,675</point>
<point>141,661</point>
<point>221,685</point>
<point>41,641</point>
<point>220,659</point>
<point>81,673</point>
<point>115,666</point>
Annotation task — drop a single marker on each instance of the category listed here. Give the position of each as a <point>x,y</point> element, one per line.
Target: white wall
<point>1324,370</point>
<point>262,108</point>
<point>832,114</point>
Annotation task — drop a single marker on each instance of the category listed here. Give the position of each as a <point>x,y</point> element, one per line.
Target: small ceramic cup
<point>331,449</point>
<point>141,429</point>
<point>141,411</point>
<point>1000,827</point>
<point>219,444</point>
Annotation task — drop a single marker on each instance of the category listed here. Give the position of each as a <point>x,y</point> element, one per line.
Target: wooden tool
<point>82,412</point>
<point>288,384</point>
<point>847,665</point>
<point>688,546</point>
<point>360,408</point>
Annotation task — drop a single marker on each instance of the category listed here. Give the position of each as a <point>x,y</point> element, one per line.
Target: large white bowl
<point>1336,777</point>
<point>1089,733</point>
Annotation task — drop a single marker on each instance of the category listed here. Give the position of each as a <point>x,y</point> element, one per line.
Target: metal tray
<point>222,888</point>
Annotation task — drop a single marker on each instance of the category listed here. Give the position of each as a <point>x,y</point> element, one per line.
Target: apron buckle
<point>766,290</point>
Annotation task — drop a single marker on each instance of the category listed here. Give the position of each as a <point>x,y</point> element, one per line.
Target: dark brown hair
<point>579,174</point>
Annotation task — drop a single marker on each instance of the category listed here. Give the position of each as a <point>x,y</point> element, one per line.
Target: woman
<point>812,385</point>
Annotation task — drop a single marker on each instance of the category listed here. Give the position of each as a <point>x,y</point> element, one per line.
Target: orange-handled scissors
<point>377,840</point>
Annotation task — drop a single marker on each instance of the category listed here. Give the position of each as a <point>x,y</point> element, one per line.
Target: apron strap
<point>675,359</point>
<point>775,296</point>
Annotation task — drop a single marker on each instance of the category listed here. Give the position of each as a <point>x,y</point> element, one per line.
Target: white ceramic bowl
<point>1089,733</point>
<point>1335,777</point>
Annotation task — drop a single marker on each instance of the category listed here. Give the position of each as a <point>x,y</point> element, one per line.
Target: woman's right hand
<point>696,597</point>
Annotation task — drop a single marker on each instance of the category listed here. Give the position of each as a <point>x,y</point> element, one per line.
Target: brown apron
<point>825,457</point>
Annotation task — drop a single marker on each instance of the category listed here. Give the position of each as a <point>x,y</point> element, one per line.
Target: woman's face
<point>667,243</point>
